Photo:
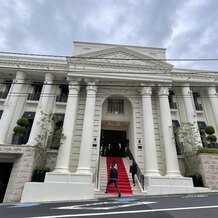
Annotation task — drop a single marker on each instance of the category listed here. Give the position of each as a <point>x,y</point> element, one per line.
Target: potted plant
<point>197,179</point>
<point>211,138</point>
<point>39,174</point>
<point>19,130</point>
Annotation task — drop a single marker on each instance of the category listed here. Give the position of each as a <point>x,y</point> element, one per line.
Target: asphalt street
<point>188,206</point>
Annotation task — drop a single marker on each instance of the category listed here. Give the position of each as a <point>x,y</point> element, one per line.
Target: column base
<point>168,185</point>
<point>175,174</point>
<point>85,171</point>
<point>154,173</point>
<point>61,170</point>
<point>59,187</point>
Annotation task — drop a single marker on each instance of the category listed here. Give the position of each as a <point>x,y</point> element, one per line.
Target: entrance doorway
<point>5,171</point>
<point>113,143</point>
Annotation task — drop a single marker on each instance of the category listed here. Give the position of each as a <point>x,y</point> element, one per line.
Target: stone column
<point>214,103</point>
<point>84,165</point>
<point>190,110</point>
<point>172,165</point>
<point>149,148</point>
<point>42,107</point>
<point>63,159</point>
<point>10,105</point>
<point>188,103</point>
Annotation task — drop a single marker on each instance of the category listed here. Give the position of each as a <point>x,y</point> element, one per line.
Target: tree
<point>188,136</point>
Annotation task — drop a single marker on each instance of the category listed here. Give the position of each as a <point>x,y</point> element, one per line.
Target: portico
<point>120,89</point>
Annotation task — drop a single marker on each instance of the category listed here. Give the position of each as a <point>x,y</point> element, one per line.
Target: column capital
<point>163,91</point>
<point>20,75</point>
<point>91,85</point>
<point>49,77</point>
<point>212,90</point>
<point>146,91</point>
<point>73,83</point>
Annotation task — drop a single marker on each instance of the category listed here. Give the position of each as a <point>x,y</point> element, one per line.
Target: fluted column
<point>84,165</point>
<point>188,103</point>
<point>172,165</point>
<point>190,110</point>
<point>42,107</point>
<point>63,159</point>
<point>149,148</point>
<point>10,105</point>
<point>214,103</point>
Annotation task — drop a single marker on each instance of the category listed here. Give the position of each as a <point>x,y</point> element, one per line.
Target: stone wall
<point>207,165</point>
<point>26,158</point>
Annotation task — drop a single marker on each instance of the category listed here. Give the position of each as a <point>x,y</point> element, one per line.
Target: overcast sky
<point>187,28</point>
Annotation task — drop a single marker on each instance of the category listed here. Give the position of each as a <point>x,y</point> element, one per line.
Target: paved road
<point>188,206</point>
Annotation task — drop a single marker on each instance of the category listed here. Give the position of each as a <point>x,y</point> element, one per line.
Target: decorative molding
<point>163,91</point>
<point>49,77</point>
<point>73,83</point>
<point>212,91</point>
<point>25,62</point>
<point>121,53</point>
<point>146,91</point>
<point>20,75</point>
<point>91,85</point>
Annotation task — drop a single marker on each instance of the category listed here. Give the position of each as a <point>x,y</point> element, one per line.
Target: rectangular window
<point>116,106</point>
<point>1,112</point>
<point>196,97</point>
<point>37,89</point>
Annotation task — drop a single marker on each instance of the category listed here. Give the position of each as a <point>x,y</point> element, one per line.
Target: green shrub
<point>212,138</point>
<point>19,130</point>
<point>209,130</point>
<point>208,150</point>
<point>194,174</point>
<point>23,122</point>
<point>56,139</point>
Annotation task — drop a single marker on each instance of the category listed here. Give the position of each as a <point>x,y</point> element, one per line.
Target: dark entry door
<point>5,171</point>
<point>113,143</point>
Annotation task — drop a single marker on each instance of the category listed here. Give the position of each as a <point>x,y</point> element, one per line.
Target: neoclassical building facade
<point>125,96</point>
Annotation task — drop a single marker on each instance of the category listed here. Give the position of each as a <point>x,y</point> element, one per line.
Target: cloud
<point>188,28</point>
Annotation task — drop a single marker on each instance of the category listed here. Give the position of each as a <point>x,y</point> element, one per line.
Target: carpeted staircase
<point>123,180</point>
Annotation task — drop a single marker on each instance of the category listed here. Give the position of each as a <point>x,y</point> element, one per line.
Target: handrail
<point>97,177</point>
<point>139,174</point>
<point>34,96</point>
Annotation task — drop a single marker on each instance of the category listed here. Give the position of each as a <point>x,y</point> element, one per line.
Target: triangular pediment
<point>121,57</point>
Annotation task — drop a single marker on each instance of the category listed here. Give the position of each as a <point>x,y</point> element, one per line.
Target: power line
<point>107,85</point>
<point>51,95</point>
<point>141,70</point>
<point>102,58</point>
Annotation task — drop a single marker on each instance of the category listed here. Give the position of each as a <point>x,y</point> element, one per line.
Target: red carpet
<point>123,180</point>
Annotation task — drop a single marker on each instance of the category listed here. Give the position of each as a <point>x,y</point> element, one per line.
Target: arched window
<point>116,106</point>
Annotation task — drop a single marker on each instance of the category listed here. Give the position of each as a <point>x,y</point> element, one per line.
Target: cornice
<point>190,76</point>
<point>107,44</point>
<point>24,62</point>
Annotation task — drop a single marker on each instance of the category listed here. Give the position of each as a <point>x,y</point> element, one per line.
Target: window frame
<point>115,106</point>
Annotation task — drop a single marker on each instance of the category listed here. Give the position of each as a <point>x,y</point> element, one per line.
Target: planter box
<point>38,175</point>
<point>197,181</point>
<point>16,139</point>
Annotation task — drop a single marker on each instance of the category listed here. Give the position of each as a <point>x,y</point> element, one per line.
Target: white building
<point>102,94</point>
